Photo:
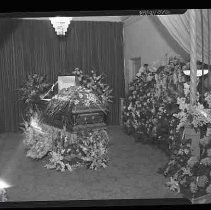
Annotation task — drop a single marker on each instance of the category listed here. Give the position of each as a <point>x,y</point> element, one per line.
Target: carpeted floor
<point>132,173</point>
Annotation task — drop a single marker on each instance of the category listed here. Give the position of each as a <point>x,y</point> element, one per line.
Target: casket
<point>77,118</point>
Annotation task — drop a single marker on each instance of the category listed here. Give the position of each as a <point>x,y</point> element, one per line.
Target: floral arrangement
<point>34,86</point>
<point>192,116</point>
<point>70,150</point>
<point>3,196</point>
<point>87,148</point>
<point>189,174</point>
<point>76,96</point>
<point>135,112</point>
<point>96,84</point>
<point>66,150</point>
<point>37,137</point>
<point>151,100</point>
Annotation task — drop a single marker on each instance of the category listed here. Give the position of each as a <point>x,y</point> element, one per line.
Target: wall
<point>147,38</point>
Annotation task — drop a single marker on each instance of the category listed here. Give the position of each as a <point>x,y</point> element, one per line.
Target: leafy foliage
<point>158,105</point>
<point>86,148</point>
<point>37,137</point>
<point>96,84</point>
<point>34,86</point>
<point>192,174</point>
<point>67,150</point>
<point>151,101</point>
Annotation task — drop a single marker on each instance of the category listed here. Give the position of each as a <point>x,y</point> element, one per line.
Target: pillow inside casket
<point>74,107</point>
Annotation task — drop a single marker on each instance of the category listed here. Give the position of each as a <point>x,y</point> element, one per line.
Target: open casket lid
<point>63,82</point>
<point>67,81</point>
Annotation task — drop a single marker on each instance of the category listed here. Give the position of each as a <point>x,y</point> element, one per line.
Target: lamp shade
<point>199,72</point>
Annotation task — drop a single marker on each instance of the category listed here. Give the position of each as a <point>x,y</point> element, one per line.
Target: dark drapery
<point>32,46</point>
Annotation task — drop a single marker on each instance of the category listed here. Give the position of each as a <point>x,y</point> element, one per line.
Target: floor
<point>132,173</point>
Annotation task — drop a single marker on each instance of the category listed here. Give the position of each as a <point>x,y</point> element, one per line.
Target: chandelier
<point>60,24</point>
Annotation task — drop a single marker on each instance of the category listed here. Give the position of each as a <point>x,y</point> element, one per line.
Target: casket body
<point>75,119</point>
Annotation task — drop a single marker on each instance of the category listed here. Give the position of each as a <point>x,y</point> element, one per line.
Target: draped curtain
<point>178,27</point>
<point>32,46</point>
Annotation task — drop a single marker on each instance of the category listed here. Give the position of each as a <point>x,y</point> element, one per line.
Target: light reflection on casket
<point>74,118</point>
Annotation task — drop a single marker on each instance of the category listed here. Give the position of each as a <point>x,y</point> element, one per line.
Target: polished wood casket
<point>75,119</point>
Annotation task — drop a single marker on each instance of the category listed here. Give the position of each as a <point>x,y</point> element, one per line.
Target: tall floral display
<point>158,109</point>
<point>152,100</point>
<point>189,173</point>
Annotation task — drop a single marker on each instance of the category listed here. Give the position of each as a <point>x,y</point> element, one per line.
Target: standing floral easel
<point>190,167</point>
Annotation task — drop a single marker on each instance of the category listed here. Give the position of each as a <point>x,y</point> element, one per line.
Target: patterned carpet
<point>132,173</point>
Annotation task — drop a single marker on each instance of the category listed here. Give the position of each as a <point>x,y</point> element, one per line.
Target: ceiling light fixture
<point>60,24</point>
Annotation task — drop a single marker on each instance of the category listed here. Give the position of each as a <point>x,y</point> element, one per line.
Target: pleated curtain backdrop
<point>32,46</point>
<point>179,28</point>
